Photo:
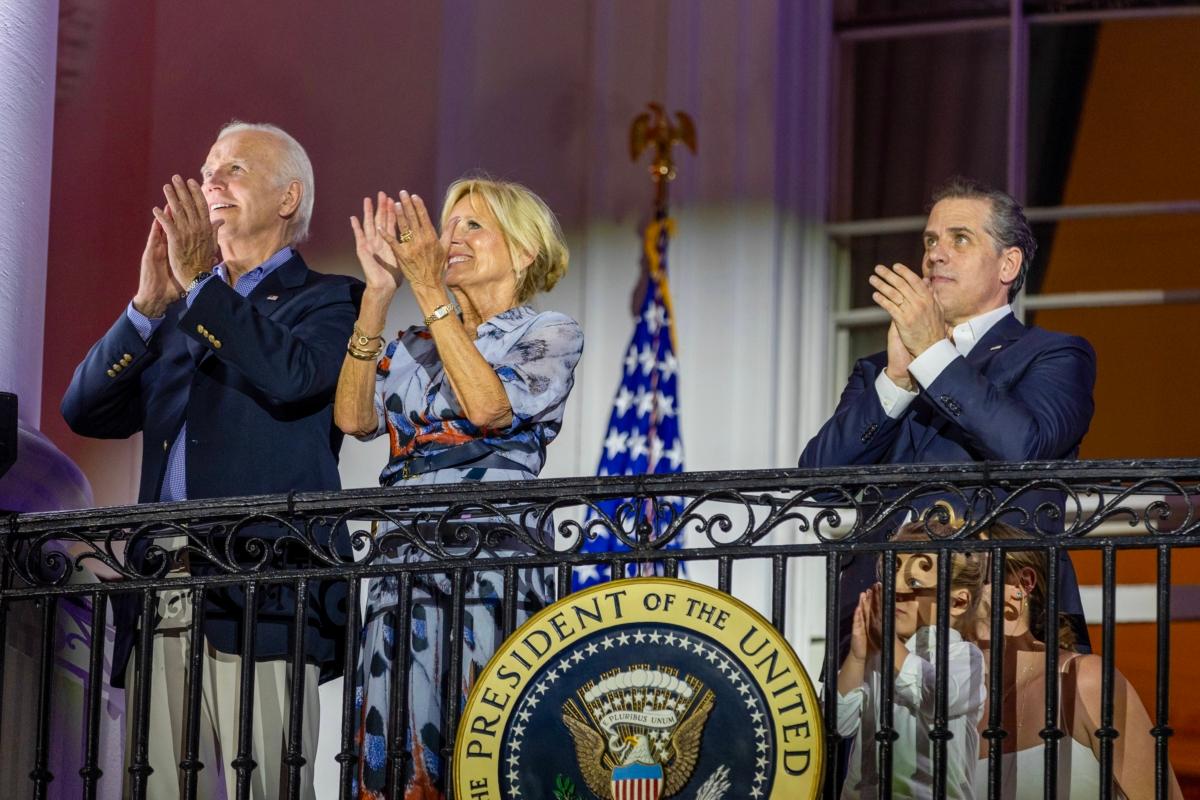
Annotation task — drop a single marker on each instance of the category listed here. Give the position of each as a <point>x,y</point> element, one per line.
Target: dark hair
<point>1006,224</point>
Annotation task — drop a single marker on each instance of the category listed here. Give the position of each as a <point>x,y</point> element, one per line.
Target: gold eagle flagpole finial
<point>655,128</point>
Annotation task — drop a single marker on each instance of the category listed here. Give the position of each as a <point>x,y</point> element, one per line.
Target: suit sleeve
<point>1042,415</point>
<point>104,400</point>
<point>859,432</point>
<point>288,363</point>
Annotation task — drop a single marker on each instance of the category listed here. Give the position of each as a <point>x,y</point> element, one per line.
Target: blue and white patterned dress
<point>534,355</point>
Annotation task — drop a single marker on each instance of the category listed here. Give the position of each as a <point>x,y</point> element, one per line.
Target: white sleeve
<point>916,683</point>
<point>893,399</point>
<point>850,707</point>
<point>927,366</point>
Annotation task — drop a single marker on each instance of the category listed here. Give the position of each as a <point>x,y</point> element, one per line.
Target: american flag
<point>643,430</point>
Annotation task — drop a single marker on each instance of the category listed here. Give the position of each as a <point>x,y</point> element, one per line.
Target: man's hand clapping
<point>191,236</point>
<point>917,317</point>
<point>157,287</point>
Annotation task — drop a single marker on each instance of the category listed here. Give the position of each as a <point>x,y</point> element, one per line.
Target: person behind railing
<point>1079,679</point>
<point>474,394</point>
<point>962,379</point>
<point>861,677</point>
<point>228,370</point>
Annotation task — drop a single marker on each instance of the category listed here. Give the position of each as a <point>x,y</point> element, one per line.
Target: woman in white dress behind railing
<point>1024,708</point>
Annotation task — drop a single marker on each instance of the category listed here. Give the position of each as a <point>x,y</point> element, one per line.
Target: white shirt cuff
<point>893,399</point>
<point>927,366</point>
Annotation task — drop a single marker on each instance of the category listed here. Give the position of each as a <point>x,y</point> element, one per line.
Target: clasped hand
<point>918,321</point>
<point>866,633</point>
<point>396,241</point>
<point>182,243</point>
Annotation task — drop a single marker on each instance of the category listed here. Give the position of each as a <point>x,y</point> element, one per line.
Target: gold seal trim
<point>717,625</point>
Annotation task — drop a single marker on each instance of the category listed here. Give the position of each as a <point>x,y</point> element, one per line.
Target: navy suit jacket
<point>1021,394</point>
<point>254,378</point>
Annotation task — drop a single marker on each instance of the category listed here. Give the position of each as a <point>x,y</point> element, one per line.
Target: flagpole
<point>654,128</point>
<point>642,435</point>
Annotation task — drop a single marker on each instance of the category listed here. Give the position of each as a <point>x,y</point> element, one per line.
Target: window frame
<point>845,319</point>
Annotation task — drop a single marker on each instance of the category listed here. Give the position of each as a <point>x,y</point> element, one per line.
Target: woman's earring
<point>1019,595</point>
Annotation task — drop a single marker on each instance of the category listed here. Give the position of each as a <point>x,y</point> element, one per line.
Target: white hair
<point>293,165</point>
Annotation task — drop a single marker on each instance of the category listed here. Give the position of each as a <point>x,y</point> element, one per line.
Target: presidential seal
<point>641,690</point>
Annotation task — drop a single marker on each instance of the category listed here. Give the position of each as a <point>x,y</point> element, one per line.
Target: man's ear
<point>289,203</point>
<point>1010,267</point>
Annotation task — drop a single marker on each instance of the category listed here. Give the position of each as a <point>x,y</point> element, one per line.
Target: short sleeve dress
<point>431,442</point>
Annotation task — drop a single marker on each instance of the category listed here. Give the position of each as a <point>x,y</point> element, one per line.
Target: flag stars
<point>656,449</point>
<point>631,358</point>
<point>655,317</point>
<point>637,446</point>
<point>665,405</point>
<point>668,366</point>
<point>645,402</point>
<point>675,455</point>
<point>646,359</point>
<point>617,442</point>
<point>623,401</point>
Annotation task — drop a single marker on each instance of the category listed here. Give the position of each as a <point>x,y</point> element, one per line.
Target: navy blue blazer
<point>1021,394</point>
<point>254,377</point>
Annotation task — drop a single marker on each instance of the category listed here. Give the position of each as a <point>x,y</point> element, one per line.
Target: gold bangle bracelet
<point>363,355</point>
<point>361,340</point>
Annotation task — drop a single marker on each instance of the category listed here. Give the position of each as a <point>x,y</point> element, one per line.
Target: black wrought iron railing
<point>780,516</point>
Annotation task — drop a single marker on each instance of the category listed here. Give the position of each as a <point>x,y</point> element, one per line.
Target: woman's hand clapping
<point>418,249</point>
<point>397,241</point>
<point>379,266</point>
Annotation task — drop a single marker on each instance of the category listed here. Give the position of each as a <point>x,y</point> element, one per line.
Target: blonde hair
<point>967,570</point>
<point>1035,560</point>
<point>529,228</point>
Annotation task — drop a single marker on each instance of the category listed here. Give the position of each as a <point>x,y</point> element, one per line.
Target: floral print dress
<point>534,355</point>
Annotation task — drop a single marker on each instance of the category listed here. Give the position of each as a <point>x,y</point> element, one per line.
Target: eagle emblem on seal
<point>637,731</point>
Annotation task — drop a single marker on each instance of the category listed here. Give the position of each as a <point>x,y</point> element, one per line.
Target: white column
<point>28,42</point>
<point>43,478</point>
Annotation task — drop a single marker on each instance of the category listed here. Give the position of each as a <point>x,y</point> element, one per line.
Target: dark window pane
<point>913,113</point>
<point>880,11</point>
<point>867,251</point>
<point>1113,112</point>
<point>864,341</point>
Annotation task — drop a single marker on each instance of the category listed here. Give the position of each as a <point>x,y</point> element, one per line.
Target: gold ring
<point>406,236</point>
